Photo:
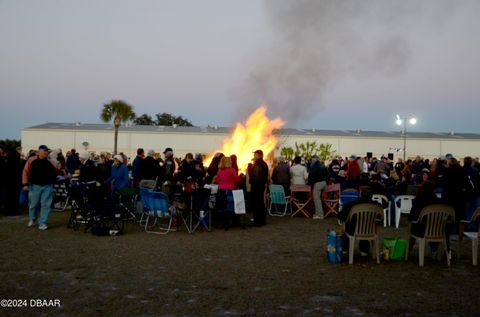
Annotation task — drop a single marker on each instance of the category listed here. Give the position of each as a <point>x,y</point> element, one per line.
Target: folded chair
<point>201,212</point>
<point>61,194</point>
<point>383,200</point>
<point>127,199</point>
<point>435,218</point>
<point>471,235</point>
<point>155,206</point>
<point>331,199</point>
<point>300,202</point>
<point>365,217</point>
<point>277,197</point>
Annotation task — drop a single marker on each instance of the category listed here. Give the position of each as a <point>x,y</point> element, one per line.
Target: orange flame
<point>257,134</point>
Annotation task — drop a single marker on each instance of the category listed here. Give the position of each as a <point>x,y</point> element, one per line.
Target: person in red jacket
<point>39,175</point>
<point>227,179</point>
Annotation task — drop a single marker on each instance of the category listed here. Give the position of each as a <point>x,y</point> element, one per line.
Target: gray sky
<point>338,66</point>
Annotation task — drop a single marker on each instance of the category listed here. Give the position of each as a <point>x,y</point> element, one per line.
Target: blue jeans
<point>40,196</point>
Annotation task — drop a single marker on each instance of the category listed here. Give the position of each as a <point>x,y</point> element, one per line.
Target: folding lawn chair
<point>155,205</point>
<point>127,199</point>
<point>331,199</point>
<point>301,203</point>
<point>277,197</point>
<point>201,213</point>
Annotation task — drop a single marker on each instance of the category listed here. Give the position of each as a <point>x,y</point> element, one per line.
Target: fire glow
<point>256,134</point>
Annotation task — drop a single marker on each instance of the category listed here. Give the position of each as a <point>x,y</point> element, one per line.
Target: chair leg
<point>384,218</point>
<point>377,250</point>
<point>388,215</point>
<point>447,254</point>
<point>475,251</point>
<point>397,218</point>
<point>351,249</point>
<point>408,248</point>
<point>421,252</point>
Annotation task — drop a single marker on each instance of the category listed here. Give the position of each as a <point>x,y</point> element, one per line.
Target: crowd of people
<point>458,185</point>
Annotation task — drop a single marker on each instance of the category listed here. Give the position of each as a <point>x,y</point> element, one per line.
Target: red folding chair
<point>300,202</point>
<point>331,199</point>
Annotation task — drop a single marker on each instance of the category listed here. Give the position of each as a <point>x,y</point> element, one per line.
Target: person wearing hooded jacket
<point>119,175</point>
<point>317,179</point>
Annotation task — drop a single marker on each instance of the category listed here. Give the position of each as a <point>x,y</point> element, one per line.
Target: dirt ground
<point>277,270</point>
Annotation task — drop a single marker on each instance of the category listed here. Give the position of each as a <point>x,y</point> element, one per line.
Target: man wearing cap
<point>119,175</point>
<point>39,175</point>
<point>317,179</point>
<point>258,182</point>
<point>168,168</point>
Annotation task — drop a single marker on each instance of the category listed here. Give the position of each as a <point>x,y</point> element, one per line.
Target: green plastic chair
<point>277,197</point>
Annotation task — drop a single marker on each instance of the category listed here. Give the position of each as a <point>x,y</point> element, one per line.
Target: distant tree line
<point>121,111</point>
<point>9,145</point>
<point>162,119</point>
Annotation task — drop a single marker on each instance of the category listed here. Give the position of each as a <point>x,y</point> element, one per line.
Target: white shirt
<point>298,175</point>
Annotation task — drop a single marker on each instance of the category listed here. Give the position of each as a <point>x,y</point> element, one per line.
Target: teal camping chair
<point>277,197</point>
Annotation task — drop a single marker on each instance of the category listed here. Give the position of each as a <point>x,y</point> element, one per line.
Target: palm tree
<point>120,111</point>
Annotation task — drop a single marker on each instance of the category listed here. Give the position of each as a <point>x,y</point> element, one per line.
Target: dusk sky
<point>317,64</point>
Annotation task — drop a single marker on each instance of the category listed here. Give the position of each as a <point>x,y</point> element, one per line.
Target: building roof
<point>77,126</point>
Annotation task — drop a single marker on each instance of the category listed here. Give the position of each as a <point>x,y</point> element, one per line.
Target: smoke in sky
<point>319,42</point>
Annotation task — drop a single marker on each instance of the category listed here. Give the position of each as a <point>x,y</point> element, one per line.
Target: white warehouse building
<point>99,138</point>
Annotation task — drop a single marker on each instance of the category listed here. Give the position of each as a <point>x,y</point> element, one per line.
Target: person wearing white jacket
<point>298,172</point>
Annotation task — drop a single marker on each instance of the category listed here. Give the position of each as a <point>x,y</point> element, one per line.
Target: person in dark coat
<point>454,191</point>
<point>213,168</point>
<point>137,162</point>
<point>186,169</point>
<point>3,180</point>
<point>258,182</point>
<point>426,196</point>
<point>472,186</point>
<point>281,175</point>
<point>73,162</point>
<point>149,167</point>
<point>88,169</point>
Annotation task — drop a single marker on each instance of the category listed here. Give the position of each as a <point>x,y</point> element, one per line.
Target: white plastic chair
<point>435,218</point>
<point>381,199</point>
<point>471,235</point>
<point>403,205</point>
<point>366,216</point>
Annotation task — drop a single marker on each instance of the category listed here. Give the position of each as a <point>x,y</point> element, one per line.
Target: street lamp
<point>404,120</point>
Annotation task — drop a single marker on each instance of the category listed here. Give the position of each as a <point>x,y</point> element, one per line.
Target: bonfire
<point>256,133</point>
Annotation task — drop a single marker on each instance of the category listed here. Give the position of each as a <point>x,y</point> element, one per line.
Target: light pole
<point>404,120</point>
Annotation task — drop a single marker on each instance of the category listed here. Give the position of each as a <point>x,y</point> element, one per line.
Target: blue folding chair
<point>348,195</point>
<point>155,204</point>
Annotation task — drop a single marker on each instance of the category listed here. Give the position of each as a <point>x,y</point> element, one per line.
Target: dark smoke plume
<point>319,42</point>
